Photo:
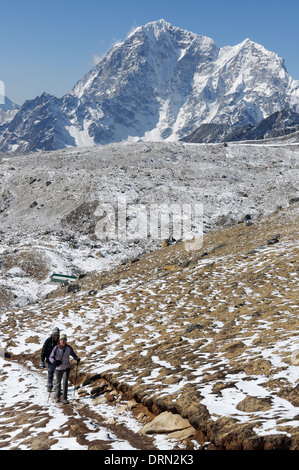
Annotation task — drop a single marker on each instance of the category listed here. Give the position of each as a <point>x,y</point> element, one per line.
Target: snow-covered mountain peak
<point>159,30</point>
<point>161,83</point>
<point>7,105</point>
<point>8,110</point>
<point>249,50</point>
<point>157,27</point>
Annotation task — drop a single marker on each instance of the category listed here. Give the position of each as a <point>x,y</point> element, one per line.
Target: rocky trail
<point>32,420</point>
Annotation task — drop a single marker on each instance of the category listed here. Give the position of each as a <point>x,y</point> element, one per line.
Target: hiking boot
<point>57,399</point>
<point>65,402</point>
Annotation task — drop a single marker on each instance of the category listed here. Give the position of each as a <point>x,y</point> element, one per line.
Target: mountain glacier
<point>160,84</point>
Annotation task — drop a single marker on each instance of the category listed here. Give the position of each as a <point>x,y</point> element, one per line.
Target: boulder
<point>73,288</point>
<point>183,434</point>
<point>166,422</point>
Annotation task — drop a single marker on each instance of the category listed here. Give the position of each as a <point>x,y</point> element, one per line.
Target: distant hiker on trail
<point>48,347</point>
<point>60,357</point>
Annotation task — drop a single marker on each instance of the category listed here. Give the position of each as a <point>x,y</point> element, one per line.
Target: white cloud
<point>96,59</point>
<point>132,29</point>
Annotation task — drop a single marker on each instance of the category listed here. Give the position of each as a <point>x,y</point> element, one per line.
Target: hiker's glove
<point>78,360</point>
<point>42,365</point>
<point>58,363</point>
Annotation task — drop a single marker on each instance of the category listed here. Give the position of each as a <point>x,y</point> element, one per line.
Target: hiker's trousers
<point>62,376</point>
<point>51,370</point>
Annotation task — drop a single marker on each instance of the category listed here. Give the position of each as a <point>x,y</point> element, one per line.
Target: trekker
<point>60,357</point>
<point>48,347</point>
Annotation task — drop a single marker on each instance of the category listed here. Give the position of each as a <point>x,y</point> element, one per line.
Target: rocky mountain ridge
<point>280,123</point>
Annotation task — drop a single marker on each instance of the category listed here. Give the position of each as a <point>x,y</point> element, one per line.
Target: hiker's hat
<point>63,336</point>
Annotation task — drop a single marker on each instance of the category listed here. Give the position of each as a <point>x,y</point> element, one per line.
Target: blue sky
<point>49,45</point>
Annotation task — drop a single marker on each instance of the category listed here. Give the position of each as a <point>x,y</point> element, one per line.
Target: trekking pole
<point>76,377</point>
